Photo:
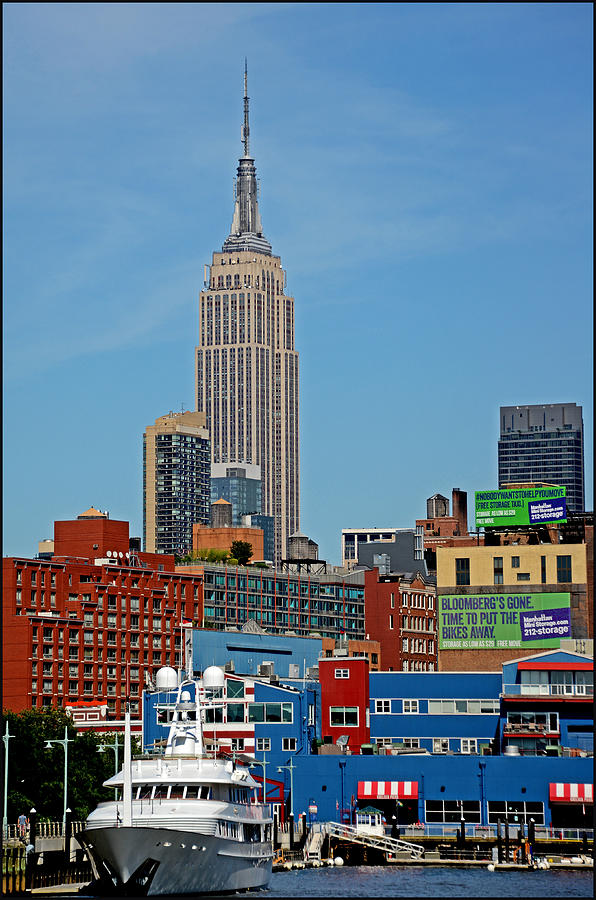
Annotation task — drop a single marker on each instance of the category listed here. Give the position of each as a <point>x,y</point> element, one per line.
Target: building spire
<point>246,129</point>
<point>246,233</point>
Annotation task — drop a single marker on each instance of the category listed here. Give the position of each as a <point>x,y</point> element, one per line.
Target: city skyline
<point>436,230</point>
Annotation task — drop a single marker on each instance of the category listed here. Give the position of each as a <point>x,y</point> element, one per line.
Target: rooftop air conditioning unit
<point>265,669</point>
<point>274,679</point>
<point>293,671</point>
<point>229,666</point>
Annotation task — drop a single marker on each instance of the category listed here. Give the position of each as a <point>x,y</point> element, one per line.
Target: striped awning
<point>570,793</point>
<point>387,790</point>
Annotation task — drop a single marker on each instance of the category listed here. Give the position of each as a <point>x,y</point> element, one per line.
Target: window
<point>523,576</point>
<point>237,743</point>
<point>382,706</point>
<point>469,745</point>
<point>235,688</point>
<point>543,569</point>
<point>263,744</point>
<point>462,571</point>
<point>410,706</point>
<point>516,811</point>
<point>497,570</point>
<point>440,745</point>
<point>288,744</point>
<point>411,743</point>
<point>235,712</point>
<point>404,644</point>
<point>270,712</point>
<point>391,622</point>
<point>344,715</point>
<point>564,569</point>
<point>515,562</point>
<point>342,673</point>
<point>453,811</point>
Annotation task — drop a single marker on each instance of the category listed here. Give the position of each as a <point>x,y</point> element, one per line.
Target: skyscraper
<point>544,443</point>
<point>246,364</point>
<point>176,481</point>
<point>240,485</point>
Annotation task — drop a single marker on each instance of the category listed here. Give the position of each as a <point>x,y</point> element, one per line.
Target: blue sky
<point>426,177</point>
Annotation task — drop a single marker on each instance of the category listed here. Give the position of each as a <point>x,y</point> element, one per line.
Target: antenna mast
<point>245,130</point>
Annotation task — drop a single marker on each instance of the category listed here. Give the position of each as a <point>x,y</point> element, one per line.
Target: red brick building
<point>401,614</point>
<point>78,625</point>
<point>345,700</point>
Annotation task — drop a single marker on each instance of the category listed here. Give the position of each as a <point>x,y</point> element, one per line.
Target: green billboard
<point>503,621</point>
<point>524,506</point>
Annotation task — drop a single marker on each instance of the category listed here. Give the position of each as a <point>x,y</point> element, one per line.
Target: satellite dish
<point>213,677</point>
<point>166,679</point>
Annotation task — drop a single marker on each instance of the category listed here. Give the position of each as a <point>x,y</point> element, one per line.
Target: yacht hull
<point>146,861</point>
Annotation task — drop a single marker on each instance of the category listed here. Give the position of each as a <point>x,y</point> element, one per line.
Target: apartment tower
<point>246,364</point>
<point>176,481</point>
<point>544,443</point>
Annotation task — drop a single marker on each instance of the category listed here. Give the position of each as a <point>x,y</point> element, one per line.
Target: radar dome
<point>213,677</point>
<point>166,679</point>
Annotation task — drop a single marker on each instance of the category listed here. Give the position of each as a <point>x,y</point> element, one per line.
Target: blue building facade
<point>485,746</point>
<point>442,712</point>
<point>483,789</point>
<point>290,656</point>
<point>547,703</point>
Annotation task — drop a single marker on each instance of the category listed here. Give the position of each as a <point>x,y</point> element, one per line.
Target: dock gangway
<point>378,841</point>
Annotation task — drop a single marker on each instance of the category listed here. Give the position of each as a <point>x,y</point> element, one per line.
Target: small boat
<point>183,822</point>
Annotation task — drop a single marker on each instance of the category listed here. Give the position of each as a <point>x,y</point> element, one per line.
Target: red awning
<point>556,666</point>
<point>558,792</point>
<point>387,790</point>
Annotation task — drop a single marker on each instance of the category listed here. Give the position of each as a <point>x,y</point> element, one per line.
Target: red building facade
<point>82,628</point>
<point>401,614</point>
<point>345,700</point>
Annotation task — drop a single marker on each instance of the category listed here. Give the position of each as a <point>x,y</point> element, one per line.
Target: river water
<point>419,881</point>
<point>415,881</point>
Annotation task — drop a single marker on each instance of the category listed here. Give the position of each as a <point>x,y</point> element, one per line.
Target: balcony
<point>529,728</point>
<point>561,691</point>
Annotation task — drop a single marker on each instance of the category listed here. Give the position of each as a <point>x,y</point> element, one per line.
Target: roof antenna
<point>245,129</point>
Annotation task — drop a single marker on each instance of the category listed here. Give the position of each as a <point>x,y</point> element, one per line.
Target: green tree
<point>242,551</point>
<point>214,555</point>
<point>36,774</point>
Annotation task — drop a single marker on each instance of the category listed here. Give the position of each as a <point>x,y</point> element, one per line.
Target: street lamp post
<point>342,767</point>
<point>263,763</point>
<point>290,769</point>
<point>6,737</point>
<point>65,741</point>
<point>102,748</point>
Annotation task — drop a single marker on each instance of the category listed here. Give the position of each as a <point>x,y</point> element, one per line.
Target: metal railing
<point>379,841</point>
<point>489,832</point>
<point>42,830</point>
<point>548,690</point>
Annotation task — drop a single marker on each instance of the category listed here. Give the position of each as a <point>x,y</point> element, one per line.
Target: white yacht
<point>183,822</point>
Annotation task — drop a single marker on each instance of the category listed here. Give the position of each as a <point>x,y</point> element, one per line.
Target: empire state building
<point>246,364</point>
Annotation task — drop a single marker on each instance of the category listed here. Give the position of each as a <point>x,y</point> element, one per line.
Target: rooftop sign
<point>524,506</point>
